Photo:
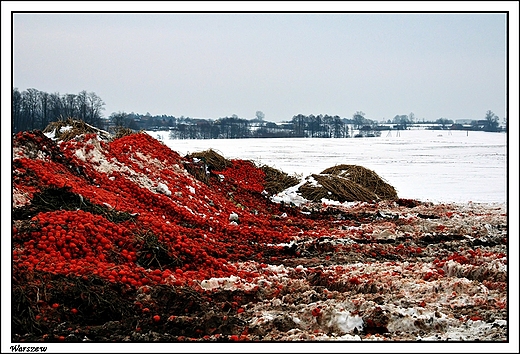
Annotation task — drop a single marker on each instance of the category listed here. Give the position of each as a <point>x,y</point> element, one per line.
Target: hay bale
<point>212,159</point>
<point>70,128</point>
<point>366,178</point>
<point>276,180</point>
<point>335,188</point>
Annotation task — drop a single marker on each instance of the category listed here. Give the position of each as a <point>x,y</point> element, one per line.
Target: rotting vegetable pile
<point>115,241</point>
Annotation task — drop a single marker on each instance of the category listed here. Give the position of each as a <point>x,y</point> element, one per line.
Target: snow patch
<point>228,283</point>
<point>344,322</point>
<point>290,196</point>
<point>163,188</point>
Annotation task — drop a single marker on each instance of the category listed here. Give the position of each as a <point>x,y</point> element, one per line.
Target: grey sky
<point>215,65</point>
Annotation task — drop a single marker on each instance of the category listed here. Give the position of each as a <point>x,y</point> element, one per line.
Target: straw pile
<point>366,178</point>
<point>201,164</point>
<point>70,128</point>
<point>347,183</point>
<point>276,180</point>
<point>121,132</point>
<point>335,188</point>
<point>213,160</point>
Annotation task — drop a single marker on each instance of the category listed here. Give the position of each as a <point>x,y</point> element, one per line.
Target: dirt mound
<point>54,198</point>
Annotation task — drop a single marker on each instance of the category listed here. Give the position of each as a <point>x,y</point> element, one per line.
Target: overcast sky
<point>210,65</point>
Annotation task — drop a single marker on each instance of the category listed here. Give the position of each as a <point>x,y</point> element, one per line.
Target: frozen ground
<point>437,166</point>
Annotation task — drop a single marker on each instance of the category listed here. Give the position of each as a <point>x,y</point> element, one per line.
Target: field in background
<point>437,166</point>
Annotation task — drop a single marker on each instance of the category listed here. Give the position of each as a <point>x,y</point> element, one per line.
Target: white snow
<point>344,322</point>
<point>458,166</point>
<point>163,188</point>
<point>290,196</point>
<point>224,283</point>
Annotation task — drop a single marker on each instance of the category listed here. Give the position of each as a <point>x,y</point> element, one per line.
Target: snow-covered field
<point>437,166</point>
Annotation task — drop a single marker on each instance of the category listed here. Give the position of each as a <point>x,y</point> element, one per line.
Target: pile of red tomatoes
<point>187,220</point>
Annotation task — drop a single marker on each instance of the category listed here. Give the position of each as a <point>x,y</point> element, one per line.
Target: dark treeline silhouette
<point>307,126</point>
<point>321,126</point>
<point>312,126</point>
<point>33,109</point>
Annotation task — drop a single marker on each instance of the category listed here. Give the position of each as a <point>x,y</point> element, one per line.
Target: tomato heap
<point>171,235</point>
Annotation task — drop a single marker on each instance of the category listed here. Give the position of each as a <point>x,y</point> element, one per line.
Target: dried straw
<point>208,161</point>
<point>78,127</point>
<point>366,178</point>
<point>122,132</point>
<point>336,188</point>
<point>213,160</point>
<point>276,180</point>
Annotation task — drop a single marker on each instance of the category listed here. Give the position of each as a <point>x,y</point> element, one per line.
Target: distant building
<point>464,121</point>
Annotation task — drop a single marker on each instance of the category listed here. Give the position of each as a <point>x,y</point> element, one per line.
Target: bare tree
<point>81,106</point>
<point>16,109</point>
<point>491,122</point>
<point>44,108</point>
<point>118,119</point>
<point>402,121</point>
<point>443,122</point>
<point>55,107</point>
<point>33,109</point>
<point>30,109</point>
<point>96,105</point>
<point>69,105</point>
<point>359,119</point>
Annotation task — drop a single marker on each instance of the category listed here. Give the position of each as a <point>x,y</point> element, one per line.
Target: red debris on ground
<point>121,242</point>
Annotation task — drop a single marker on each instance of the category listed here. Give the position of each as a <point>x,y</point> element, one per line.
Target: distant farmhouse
<point>464,121</point>
<point>476,124</point>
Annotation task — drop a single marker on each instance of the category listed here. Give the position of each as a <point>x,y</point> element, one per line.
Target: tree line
<point>308,126</point>
<point>34,109</point>
<point>234,127</point>
<point>313,126</point>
